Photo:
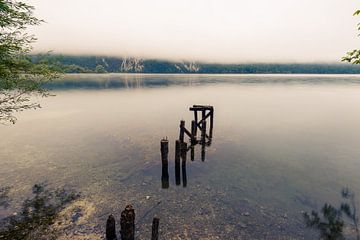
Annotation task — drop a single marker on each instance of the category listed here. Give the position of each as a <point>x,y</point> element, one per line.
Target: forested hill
<point>99,64</point>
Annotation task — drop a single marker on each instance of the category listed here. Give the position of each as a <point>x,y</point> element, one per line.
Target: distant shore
<point>103,64</point>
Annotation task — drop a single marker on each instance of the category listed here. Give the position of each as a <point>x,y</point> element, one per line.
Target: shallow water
<point>282,144</point>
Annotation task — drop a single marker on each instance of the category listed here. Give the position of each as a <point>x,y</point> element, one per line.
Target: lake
<point>282,144</point>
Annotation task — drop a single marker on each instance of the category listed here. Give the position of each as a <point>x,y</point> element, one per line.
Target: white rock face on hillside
<point>132,65</point>
<point>188,67</point>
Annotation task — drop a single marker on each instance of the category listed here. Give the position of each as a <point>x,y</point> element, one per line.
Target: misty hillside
<point>99,64</point>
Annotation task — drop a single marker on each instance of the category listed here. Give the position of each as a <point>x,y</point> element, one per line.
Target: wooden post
<point>164,161</point>
<point>183,164</point>
<point>165,177</point>
<point>196,118</point>
<point>192,153</point>
<point>110,228</point>
<point>177,161</point>
<point>193,132</point>
<point>203,130</point>
<point>203,151</point>
<point>203,140</point>
<point>155,229</point>
<point>127,223</point>
<point>203,111</point>
<point>183,150</point>
<point>182,126</point>
<point>164,151</point>
<point>211,122</point>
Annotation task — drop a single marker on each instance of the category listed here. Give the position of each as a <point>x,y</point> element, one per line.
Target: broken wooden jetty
<point>127,226</point>
<point>182,147</point>
<point>127,218</point>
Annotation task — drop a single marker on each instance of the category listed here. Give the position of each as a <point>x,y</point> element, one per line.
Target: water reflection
<point>134,81</point>
<point>181,147</point>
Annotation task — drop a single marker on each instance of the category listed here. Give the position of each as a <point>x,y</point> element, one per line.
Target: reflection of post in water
<point>183,163</point>
<point>177,161</point>
<point>164,160</point>
<point>203,139</point>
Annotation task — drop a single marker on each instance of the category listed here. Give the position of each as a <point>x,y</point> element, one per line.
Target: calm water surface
<point>282,144</point>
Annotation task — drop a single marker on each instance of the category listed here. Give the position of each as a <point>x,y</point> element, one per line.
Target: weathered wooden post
<point>127,223</point>
<point>192,152</point>
<point>203,139</point>
<point>211,122</point>
<point>183,163</point>
<point>155,229</point>
<point>111,228</point>
<point>195,116</point>
<point>203,115</point>
<point>193,132</point>
<point>164,148</point>
<point>182,131</point>
<point>183,147</point>
<point>177,161</point>
<point>203,131</point>
<point>165,177</point>
<point>203,151</point>
<point>164,161</point>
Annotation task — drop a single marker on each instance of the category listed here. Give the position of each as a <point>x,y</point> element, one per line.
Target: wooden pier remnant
<point>177,161</point>
<point>182,131</point>
<point>181,145</point>
<point>111,228</point>
<point>183,163</point>
<point>127,223</point>
<point>206,112</point>
<point>193,132</point>
<point>203,131</point>
<point>155,229</point>
<point>164,148</point>
<point>165,177</point>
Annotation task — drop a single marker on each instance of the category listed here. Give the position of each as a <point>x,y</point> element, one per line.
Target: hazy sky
<point>207,30</point>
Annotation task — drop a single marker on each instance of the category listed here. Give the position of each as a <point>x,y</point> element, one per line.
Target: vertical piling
<point>203,131</point>
<point>192,153</point>
<point>164,160</point>
<point>211,122</point>
<point>155,229</point>
<point>203,114</point>
<point>165,177</point>
<point>203,151</point>
<point>110,228</point>
<point>177,161</point>
<point>196,117</point>
<point>164,148</point>
<point>203,139</point>
<point>127,223</point>
<point>182,131</point>
<point>183,163</point>
<point>193,132</point>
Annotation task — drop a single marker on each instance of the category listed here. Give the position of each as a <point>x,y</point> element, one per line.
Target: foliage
<point>354,55</point>
<point>100,69</point>
<point>19,76</point>
<point>37,212</point>
<point>331,224</point>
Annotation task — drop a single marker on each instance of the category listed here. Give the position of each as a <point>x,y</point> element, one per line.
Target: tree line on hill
<point>102,64</point>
